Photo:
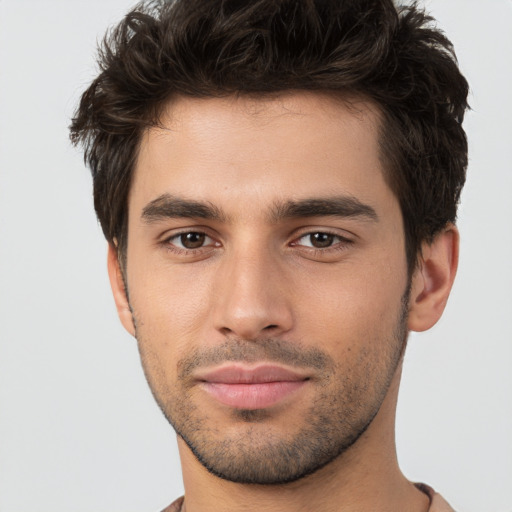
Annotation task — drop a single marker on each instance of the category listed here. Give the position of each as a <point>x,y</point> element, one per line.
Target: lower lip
<point>252,396</point>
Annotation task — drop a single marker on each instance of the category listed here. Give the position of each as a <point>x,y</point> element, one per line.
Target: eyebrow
<point>168,206</point>
<point>338,206</point>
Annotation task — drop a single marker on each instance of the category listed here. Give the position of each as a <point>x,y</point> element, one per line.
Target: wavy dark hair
<point>393,56</point>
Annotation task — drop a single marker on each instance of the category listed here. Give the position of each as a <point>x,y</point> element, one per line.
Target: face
<point>267,279</point>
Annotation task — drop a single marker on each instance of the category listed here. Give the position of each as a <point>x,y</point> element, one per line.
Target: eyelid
<point>175,232</point>
<point>166,241</point>
<point>177,236</point>
<point>342,240</point>
<point>332,253</point>
<point>344,235</point>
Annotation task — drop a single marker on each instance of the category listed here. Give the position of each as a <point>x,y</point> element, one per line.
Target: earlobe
<point>118,290</point>
<point>433,279</point>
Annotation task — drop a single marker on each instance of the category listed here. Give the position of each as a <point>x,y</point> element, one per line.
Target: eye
<point>190,240</point>
<point>319,240</point>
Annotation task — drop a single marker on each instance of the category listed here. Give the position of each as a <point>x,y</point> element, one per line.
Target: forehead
<point>260,150</point>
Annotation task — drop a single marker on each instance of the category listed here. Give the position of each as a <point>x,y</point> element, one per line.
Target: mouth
<point>251,388</point>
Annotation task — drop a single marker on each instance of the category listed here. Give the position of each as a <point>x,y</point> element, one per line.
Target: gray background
<point>78,428</point>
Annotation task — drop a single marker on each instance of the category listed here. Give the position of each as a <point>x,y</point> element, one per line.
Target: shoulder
<point>175,506</point>
<point>437,502</point>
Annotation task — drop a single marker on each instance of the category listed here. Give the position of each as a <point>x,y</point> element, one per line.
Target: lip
<point>251,388</point>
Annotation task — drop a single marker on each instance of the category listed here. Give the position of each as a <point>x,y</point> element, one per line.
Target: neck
<point>364,478</point>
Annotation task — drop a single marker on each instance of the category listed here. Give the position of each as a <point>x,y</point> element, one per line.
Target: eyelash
<point>171,247</point>
<point>339,244</point>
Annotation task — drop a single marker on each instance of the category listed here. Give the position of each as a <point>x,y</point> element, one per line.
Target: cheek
<point>169,314</point>
<point>170,306</point>
<point>352,307</point>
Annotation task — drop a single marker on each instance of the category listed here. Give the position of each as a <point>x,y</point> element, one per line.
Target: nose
<point>252,300</point>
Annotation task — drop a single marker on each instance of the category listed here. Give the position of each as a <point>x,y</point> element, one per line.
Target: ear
<point>118,290</point>
<point>433,279</point>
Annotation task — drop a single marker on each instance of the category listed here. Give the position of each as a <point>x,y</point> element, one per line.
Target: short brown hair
<point>391,56</point>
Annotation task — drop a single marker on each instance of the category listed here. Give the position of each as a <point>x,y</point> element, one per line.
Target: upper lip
<point>241,374</point>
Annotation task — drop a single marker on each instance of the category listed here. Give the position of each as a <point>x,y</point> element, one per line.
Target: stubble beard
<point>347,401</point>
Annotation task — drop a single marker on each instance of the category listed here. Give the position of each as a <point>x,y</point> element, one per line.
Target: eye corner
<point>320,239</point>
<point>188,242</point>
<point>330,247</point>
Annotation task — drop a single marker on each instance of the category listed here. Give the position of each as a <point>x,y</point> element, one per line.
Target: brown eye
<point>322,245</point>
<point>192,240</point>
<point>190,243</point>
<point>321,240</point>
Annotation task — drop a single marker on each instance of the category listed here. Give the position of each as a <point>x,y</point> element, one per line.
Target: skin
<point>255,289</point>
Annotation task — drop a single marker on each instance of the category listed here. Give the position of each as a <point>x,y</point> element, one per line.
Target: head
<point>200,48</point>
<point>278,183</point>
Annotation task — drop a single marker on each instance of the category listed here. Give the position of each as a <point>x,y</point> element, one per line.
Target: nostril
<point>270,327</point>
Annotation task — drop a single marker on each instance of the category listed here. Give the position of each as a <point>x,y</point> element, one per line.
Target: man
<point>278,183</point>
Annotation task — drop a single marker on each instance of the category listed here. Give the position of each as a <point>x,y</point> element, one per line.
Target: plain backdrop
<point>79,430</point>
